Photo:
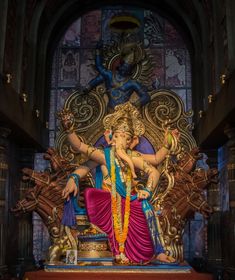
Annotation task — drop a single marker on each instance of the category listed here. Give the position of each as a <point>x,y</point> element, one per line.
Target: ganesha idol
<point>118,206</point>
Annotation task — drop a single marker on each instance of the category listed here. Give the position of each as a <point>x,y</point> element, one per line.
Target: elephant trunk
<point>124,156</point>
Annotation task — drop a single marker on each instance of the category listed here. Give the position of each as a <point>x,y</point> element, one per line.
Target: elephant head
<point>123,140</point>
<point>123,129</point>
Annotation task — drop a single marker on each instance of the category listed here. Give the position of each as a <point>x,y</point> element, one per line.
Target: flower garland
<point>120,229</point>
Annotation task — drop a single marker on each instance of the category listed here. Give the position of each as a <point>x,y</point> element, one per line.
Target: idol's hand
<point>70,188</point>
<point>169,134</point>
<point>67,120</point>
<point>142,194</point>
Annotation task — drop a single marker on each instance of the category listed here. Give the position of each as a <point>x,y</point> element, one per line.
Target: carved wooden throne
<point>179,195</point>
<point>181,189</point>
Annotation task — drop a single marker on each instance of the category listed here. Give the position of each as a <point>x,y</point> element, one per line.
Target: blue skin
<point>118,84</point>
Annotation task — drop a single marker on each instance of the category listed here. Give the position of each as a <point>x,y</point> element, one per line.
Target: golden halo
<point>124,23</point>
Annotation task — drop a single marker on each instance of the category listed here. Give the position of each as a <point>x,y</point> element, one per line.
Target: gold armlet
<point>90,150</point>
<point>120,149</point>
<point>70,130</point>
<point>147,166</point>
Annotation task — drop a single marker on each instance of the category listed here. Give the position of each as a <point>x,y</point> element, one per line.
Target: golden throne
<point>164,109</point>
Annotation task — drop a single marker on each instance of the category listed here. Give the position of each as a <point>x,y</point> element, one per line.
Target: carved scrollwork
<point>87,109</point>
<point>167,109</point>
<point>164,106</point>
<point>187,141</point>
<point>54,233</point>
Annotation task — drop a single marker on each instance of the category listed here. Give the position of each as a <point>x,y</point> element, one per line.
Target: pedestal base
<point>94,249</point>
<point>116,274</point>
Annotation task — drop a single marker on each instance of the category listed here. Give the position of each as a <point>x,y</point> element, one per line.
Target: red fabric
<point>42,275</point>
<point>138,246</point>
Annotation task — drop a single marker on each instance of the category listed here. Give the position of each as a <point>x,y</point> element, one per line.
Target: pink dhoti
<point>138,246</point>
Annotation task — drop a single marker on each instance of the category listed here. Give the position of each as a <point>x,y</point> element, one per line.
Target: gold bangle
<point>69,130</point>
<point>166,146</point>
<point>106,177</point>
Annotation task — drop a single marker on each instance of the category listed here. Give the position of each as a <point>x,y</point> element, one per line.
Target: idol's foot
<point>122,260</point>
<point>90,231</point>
<point>162,257</point>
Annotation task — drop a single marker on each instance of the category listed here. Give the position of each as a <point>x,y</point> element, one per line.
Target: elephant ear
<point>135,142</point>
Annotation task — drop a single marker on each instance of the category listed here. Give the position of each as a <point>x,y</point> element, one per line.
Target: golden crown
<point>123,124</point>
<point>125,118</point>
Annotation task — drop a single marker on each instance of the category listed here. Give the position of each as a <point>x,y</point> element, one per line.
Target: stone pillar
<point>214,254</point>
<point>26,225</point>
<point>229,226</point>
<point>4,168</point>
<point>20,228</point>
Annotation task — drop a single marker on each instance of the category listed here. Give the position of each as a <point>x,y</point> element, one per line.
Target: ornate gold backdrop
<point>165,109</point>
<point>89,109</point>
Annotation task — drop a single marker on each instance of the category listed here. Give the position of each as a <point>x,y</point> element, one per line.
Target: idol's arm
<point>158,157</point>
<point>91,152</point>
<point>68,122</point>
<point>152,173</point>
<point>93,83</point>
<point>99,63</point>
<point>161,154</point>
<point>80,172</point>
<point>103,75</point>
